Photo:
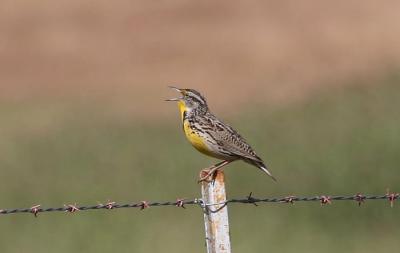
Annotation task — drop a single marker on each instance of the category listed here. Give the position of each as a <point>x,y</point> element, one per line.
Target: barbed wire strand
<point>182,203</point>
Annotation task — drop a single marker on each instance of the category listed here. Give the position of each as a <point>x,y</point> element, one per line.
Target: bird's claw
<point>207,175</point>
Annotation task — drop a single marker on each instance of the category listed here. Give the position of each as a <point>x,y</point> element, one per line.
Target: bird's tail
<point>261,166</point>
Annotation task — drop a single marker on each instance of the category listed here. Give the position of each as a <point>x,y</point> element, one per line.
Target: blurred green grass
<point>340,142</point>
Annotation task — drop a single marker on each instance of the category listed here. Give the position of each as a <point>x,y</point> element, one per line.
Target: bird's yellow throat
<point>182,108</point>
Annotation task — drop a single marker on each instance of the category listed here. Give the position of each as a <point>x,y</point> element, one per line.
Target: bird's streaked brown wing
<point>231,141</point>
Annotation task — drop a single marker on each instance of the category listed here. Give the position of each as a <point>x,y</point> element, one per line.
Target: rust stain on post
<point>216,223</point>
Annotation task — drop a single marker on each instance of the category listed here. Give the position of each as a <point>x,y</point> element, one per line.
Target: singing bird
<point>211,136</point>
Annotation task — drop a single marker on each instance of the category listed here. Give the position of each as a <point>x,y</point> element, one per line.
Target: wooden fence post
<point>216,215</point>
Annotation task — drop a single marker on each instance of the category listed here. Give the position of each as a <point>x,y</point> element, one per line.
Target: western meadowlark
<point>211,136</point>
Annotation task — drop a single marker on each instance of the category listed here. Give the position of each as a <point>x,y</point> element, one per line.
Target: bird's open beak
<point>177,89</point>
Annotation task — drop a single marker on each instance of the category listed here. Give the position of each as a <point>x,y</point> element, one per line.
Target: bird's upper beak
<point>182,91</point>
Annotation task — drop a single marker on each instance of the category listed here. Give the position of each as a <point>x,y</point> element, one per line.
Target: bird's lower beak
<point>177,89</point>
<point>172,99</point>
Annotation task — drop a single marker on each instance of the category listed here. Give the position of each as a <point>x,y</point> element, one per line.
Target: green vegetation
<point>343,142</point>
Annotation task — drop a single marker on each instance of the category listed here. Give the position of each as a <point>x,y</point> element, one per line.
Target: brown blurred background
<point>312,85</point>
<point>121,51</point>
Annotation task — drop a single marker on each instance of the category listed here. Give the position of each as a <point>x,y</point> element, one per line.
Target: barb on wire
<point>289,199</point>
<point>391,196</point>
<point>250,199</point>
<point>182,203</point>
<point>71,208</point>
<point>35,210</point>
<point>325,200</point>
<point>359,198</point>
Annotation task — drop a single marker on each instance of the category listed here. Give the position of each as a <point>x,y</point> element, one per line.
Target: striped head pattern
<point>190,101</point>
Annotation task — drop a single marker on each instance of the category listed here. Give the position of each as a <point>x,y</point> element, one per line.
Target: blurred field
<point>340,142</point>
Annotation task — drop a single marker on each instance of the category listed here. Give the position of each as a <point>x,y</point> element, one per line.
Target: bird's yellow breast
<point>195,139</point>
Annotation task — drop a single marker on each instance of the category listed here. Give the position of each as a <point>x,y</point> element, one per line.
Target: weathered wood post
<point>216,215</point>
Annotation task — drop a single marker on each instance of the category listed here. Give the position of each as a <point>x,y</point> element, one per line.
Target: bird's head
<point>190,101</point>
